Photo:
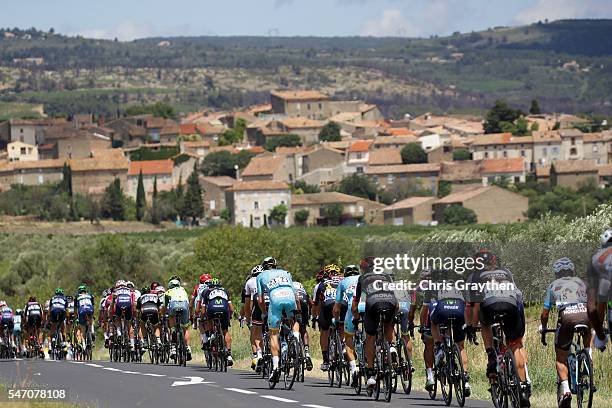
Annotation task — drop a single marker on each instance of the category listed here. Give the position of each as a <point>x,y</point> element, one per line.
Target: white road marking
<point>275,398</point>
<point>94,365</point>
<point>241,391</point>
<point>190,381</point>
<point>153,375</point>
<point>314,406</point>
<point>111,369</point>
<point>131,372</point>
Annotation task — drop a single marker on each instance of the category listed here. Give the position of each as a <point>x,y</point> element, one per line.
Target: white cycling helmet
<point>563,265</point>
<point>257,269</point>
<point>130,284</point>
<point>298,286</point>
<point>606,237</point>
<point>3,303</point>
<point>174,283</point>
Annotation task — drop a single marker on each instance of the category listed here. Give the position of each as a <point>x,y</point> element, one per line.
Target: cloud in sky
<point>390,23</point>
<point>130,30</point>
<point>562,9</point>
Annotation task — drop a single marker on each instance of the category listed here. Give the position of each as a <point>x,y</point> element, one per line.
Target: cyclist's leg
<point>325,316</point>
<point>405,332</point>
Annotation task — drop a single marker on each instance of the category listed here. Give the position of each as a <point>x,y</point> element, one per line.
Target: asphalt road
<point>120,385</point>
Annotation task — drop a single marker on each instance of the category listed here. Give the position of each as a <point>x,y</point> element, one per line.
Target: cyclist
<point>425,328</point>
<point>17,337</point>
<point>123,303</point>
<point>69,315</point>
<point>493,301</point>
<point>443,304</point>
<point>407,303</point>
<point>195,295</point>
<point>344,297</point>
<point>176,305</point>
<point>324,300</point>
<point>569,294</point>
<point>277,283</point>
<point>57,312</point>
<point>84,306</point>
<point>148,306</point>
<point>33,320</point>
<point>104,315</point>
<point>600,289</point>
<point>6,320</point>
<point>303,318</point>
<point>252,313</point>
<point>216,303</point>
<point>378,300</point>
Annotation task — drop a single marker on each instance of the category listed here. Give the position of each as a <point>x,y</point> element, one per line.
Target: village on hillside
<point>301,146</point>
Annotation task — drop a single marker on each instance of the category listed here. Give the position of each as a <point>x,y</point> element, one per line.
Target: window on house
<point>486,155</point>
<point>505,153</point>
<point>544,152</point>
<point>21,139</point>
<point>360,169</point>
<point>256,205</point>
<point>517,179</point>
<point>573,141</point>
<point>522,153</point>
<point>573,151</point>
<point>595,148</point>
<point>308,106</point>
<point>21,130</point>
<point>23,150</point>
<point>359,156</point>
<point>320,106</point>
<point>555,151</point>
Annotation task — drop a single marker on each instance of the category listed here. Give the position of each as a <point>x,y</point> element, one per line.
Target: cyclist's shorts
<point>57,315</point>
<point>446,309</point>
<point>514,318</point>
<point>127,307</point>
<point>361,307</point>
<point>16,330</point>
<point>180,309</point>
<point>349,327</point>
<point>372,315</point>
<point>282,300</point>
<point>83,316</point>
<point>219,313</point>
<point>34,320</point>
<point>325,316</point>
<point>404,306</point>
<point>256,317</point>
<point>8,323</point>
<point>404,326</point>
<point>568,319</point>
<point>150,315</point>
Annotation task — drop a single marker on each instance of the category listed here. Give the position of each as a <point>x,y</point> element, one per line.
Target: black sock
<point>325,356</point>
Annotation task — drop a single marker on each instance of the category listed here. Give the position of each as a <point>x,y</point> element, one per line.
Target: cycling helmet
<point>18,311</point>
<point>59,291</point>
<point>174,283</point>
<point>351,270</point>
<point>562,266</point>
<point>144,290</point>
<point>269,263</point>
<point>175,277</point>
<point>120,283</point>
<point>3,303</point>
<point>160,289</point>
<point>367,264</point>
<point>298,286</point>
<point>205,278</point>
<point>69,299</point>
<point>331,269</point>
<point>130,284</point>
<point>154,285</point>
<point>487,257</point>
<point>32,299</point>
<point>606,237</point>
<point>257,269</point>
<point>215,283</point>
<point>82,289</point>
<point>319,276</point>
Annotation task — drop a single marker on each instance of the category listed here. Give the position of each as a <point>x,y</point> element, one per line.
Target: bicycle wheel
<point>360,375</point>
<point>387,372</point>
<point>377,368</point>
<point>457,375</point>
<point>339,361</point>
<point>331,351</point>
<point>444,378</point>
<point>405,368</point>
<point>585,386</point>
<point>513,384</point>
<point>434,389</point>
<point>292,364</point>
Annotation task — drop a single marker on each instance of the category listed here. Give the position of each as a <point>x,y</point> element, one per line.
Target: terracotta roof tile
<point>323,198</point>
<point>110,159</point>
<point>188,129</point>
<point>463,195</point>
<point>605,170</point>
<point>258,185</point>
<point>461,170</point>
<point>543,171</point>
<point>401,131</point>
<point>512,165</point>
<point>410,202</point>
<point>221,181</point>
<point>150,167</point>
<point>500,139</point>
<point>404,168</point>
<point>574,166</point>
<point>545,137</point>
<point>386,156</point>
<point>393,140</point>
<point>263,165</point>
<point>300,95</point>
<point>593,137</point>
<point>360,146</point>
<point>295,123</point>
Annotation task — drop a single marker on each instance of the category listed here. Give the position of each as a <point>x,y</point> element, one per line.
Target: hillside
<point>566,64</point>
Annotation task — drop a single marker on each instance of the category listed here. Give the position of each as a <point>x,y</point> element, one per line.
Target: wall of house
<point>164,183</point>
<point>545,153</point>
<point>321,158</point>
<point>18,151</point>
<point>505,151</point>
<point>572,148</point>
<point>94,182</point>
<point>213,198</point>
<point>596,151</point>
<point>498,206</point>
<point>23,133</point>
<point>32,177</point>
<point>572,180</point>
<point>245,204</point>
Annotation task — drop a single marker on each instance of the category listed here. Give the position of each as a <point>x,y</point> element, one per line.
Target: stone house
<point>426,175</point>
<point>353,208</point>
<point>250,202</point>
<point>152,170</point>
<point>307,104</point>
<point>413,210</point>
<point>503,146</point>
<point>214,193</point>
<point>573,173</point>
<point>19,151</point>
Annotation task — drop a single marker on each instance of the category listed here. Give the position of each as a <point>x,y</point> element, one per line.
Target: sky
<point>130,19</point>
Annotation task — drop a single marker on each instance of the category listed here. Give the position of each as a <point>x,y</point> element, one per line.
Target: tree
<point>158,109</point>
<point>358,185</point>
<point>301,216</point>
<point>330,132</point>
<point>303,187</point>
<point>193,207</point>
<point>235,135</point>
<point>461,155</point>
<point>521,127</point>
<point>535,107</point>
<point>155,187</point>
<point>141,201</point>
<point>113,202</point>
<point>500,117</point>
<point>222,163</point>
<point>66,184</point>
<point>290,140</point>
<point>459,215</point>
<point>444,188</point>
<point>413,153</point>
<point>278,214</point>
<point>225,214</point>
<point>333,213</point>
